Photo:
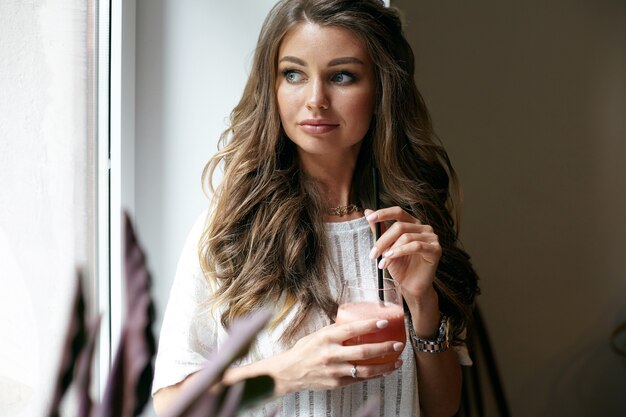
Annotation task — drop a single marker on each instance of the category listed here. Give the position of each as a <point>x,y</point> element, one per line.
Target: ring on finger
<point>353,371</point>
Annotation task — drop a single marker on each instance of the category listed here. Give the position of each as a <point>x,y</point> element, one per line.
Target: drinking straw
<point>381,285</point>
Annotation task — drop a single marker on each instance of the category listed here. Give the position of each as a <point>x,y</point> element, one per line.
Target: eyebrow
<point>332,63</point>
<point>345,60</point>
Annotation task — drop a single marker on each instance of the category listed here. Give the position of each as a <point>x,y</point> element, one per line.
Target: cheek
<point>286,112</point>
<point>362,107</point>
<point>285,104</point>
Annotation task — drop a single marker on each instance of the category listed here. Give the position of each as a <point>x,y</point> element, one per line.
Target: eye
<point>292,76</point>
<point>343,78</point>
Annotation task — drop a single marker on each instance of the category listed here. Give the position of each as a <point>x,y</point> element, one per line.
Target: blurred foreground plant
<point>128,386</point>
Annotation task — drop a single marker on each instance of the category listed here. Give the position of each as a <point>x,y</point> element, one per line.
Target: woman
<point>330,96</point>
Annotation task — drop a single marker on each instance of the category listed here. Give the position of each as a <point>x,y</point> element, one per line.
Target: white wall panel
<point>192,62</point>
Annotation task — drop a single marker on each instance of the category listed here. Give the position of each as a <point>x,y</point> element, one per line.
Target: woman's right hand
<point>320,361</point>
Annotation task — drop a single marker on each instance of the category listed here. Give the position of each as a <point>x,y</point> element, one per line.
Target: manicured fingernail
<point>388,254</point>
<point>388,373</point>
<point>374,253</point>
<point>371,217</point>
<point>398,346</point>
<point>382,264</point>
<point>398,364</point>
<point>381,324</point>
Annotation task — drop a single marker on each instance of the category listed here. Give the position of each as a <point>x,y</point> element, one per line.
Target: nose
<point>318,98</point>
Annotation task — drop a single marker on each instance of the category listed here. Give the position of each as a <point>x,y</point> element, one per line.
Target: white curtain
<point>46,183</point>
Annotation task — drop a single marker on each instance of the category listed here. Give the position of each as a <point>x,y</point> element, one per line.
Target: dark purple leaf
<point>113,400</point>
<point>242,334</point>
<point>75,339</point>
<point>128,386</point>
<point>232,399</point>
<point>83,371</point>
<point>140,344</point>
<point>256,390</point>
<point>247,394</point>
<point>227,401</point>
<point>207,404</point>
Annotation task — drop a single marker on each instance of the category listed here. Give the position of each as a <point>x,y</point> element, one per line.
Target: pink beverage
<point>362,310</point>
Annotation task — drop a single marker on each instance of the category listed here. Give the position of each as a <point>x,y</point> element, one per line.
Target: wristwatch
<point>438,345</point>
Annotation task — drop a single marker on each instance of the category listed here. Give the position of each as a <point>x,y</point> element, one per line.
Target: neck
<point>336,189</point>
<point>334,178</point>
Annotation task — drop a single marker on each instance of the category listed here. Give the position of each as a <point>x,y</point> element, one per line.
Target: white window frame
<point>115,167</point>
<point>103,353</point>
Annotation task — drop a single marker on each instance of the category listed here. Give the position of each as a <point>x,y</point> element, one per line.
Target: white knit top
<point>189,333</point>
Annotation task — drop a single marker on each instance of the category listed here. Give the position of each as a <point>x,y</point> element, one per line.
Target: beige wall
<point>530,100</point>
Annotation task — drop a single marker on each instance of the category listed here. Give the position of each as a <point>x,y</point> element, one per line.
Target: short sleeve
<point>461,351</point>
<point>188,335</point>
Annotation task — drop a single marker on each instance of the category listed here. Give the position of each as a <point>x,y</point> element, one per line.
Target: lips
<point>317,126</point>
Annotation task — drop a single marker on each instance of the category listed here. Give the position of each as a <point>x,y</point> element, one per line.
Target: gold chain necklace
<point>341,211</point>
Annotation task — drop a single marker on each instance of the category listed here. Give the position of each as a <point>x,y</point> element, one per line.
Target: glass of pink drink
<point>360,301</point>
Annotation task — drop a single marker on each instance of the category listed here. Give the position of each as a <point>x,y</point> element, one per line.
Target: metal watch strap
<point>441,344</point>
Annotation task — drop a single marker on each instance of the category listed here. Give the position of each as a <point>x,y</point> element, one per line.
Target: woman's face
<point>325,90</point>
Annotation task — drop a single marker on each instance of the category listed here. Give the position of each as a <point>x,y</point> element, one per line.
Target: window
<point>54,210</point>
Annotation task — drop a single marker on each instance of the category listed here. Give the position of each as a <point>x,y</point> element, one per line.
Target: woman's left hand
<point>410,249</point>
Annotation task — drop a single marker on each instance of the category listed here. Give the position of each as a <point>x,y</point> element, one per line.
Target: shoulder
<point>190,277</point>
<point>190,248</point>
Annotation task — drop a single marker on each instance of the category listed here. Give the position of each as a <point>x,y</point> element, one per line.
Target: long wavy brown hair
<point>264,242</point>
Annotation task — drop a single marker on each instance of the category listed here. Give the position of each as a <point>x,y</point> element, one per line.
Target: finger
<point>345,331</point>
<point>401,232</point>
<point>352,353</point>
<point>390,214</point>
<point>409,237</point>
<point>429,251</point>
<point>425,247</point>
<point>364,372</point>
<point>383,226</point>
